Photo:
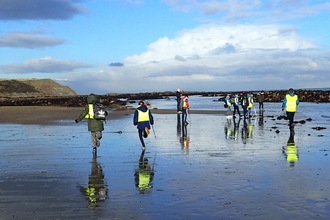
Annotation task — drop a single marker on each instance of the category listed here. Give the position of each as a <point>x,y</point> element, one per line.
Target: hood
<point>143,108</point>
<point>92,99</point>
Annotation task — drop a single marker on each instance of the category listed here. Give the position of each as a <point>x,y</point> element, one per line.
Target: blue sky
<point>119,46</point>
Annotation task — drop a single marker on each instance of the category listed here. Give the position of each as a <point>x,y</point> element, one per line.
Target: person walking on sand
<point>251,104</point>
<point>244,103</point>
<point>236,105</point>
<point>142,119</point>
<point>178,98</point>
<point>92,112</point>
<point>229,104</point>
<point>185,107</point>
<point>261,99</point>
<point>290,104</point>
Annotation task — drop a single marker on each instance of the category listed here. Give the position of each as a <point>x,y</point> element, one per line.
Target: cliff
<point>31,88</point>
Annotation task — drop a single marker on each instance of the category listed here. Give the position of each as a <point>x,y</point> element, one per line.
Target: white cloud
<point>209,58</point>
<point>213,58</point>
<point>208,40</point>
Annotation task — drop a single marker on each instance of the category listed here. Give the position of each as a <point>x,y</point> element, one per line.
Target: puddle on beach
<point>216,170</point>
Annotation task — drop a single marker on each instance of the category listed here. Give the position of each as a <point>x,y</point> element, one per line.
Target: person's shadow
<point>290,152</point>
<point>97,190</point>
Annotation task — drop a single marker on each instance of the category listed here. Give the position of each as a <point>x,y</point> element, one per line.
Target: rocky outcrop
<point>46,92</point>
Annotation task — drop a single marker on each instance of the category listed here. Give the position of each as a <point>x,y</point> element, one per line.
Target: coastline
<point>50,114</point>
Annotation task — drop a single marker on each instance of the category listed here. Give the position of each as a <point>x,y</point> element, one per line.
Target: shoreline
<point>47,115</point>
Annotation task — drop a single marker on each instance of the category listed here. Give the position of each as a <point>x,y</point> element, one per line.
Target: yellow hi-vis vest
<point>251,102</point>
<point>143,116</point>
<point>291,103</point>
<point>90,114</point>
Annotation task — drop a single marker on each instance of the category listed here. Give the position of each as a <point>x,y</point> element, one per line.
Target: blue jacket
<point>284,100</point>
<point>142,125</point>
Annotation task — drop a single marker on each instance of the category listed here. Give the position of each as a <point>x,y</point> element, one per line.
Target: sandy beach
<point>210,169</point>
<point>52,114</point>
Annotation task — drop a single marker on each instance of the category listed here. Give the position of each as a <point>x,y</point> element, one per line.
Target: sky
<point>132,46</point>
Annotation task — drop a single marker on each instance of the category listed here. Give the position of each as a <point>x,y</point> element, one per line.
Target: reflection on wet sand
<point>247,131</point>
<point>232,129</point>
<point>96,190</point>
<point>291,151</point>
<point>144,175</point>
<point>183,134</point>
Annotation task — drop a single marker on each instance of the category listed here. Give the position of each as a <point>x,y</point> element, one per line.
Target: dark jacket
<point>142,125</point>
<point>244,101</point>
<point>178,96</point>
<point>93,125</point>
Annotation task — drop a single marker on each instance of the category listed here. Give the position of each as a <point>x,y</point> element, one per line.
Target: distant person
<point>228,104</point>
<point>95,114</point>
<point>142,119</point>
<point>178,98</point>
<point>251,104</point>
<point>261,99</point>
<point>244,103</point>
<point>290,103</point>
<point>144,175</point>
<point>236,104</point>
<point>185,107</point>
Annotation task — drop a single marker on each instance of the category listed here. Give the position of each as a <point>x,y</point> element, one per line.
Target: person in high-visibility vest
<point>94,126</point>
<point>229,104</point>
<point>142,119</point>
<point>250,105</point>
<point>290,103</point>
<point>185,106</point>
<point>236,104</point>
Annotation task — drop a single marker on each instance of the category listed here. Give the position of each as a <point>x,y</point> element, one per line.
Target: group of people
<point>246,101</point>
<point>143,117</point>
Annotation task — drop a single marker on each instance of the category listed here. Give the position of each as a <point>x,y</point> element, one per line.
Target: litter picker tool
<point>153,130</point>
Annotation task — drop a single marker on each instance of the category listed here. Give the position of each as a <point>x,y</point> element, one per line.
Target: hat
<point>291,90</point>
<point>244,92</point>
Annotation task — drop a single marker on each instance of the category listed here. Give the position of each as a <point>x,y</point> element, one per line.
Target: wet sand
<point>205,170</point>
<point>52,114</point>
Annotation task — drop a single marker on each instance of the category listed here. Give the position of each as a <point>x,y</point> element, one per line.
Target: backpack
<point>183,104</point>
<point>225,105</point>
<point>99,112</point>
<point>180,105</point>
<point>232,100</point>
